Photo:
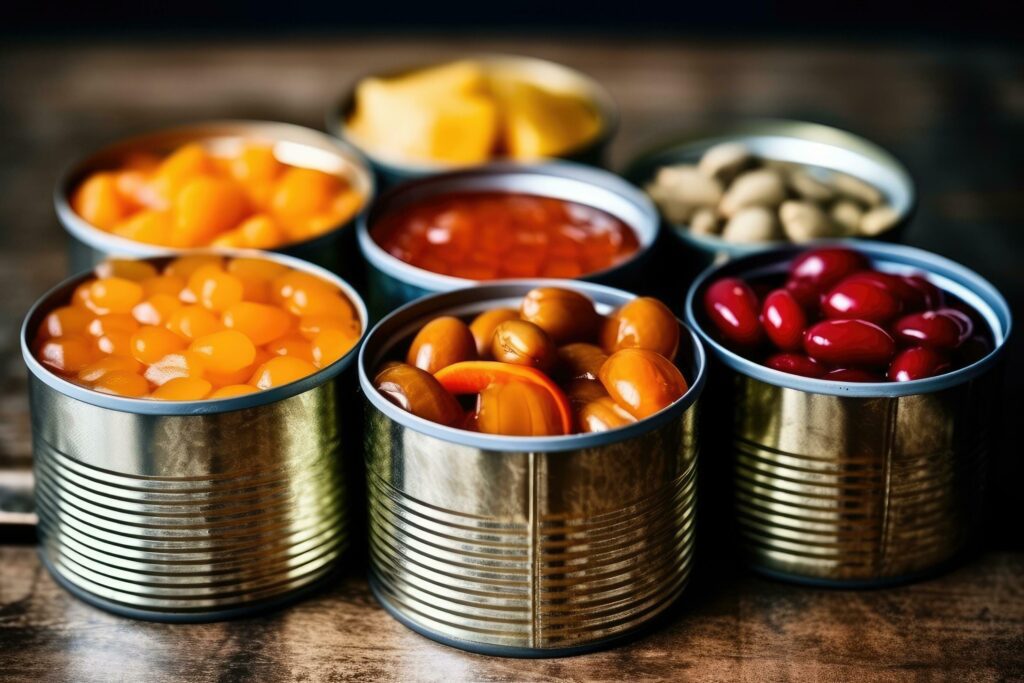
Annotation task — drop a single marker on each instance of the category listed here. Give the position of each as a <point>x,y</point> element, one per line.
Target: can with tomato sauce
<point>527,546</point>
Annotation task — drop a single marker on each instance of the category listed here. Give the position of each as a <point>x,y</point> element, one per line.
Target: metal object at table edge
<point>196,510</point>
<point>527,547</point>
<point>803,142</point>
<point>858,484</point>
<point>592,152</point>
<point>392,282</point>
<point>294,145</point>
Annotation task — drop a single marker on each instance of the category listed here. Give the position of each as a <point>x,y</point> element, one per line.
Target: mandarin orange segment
<point>312,325</point>
<point>66,320</point>
<point>255,164</point>
<point>149,227</point>
<point>150,344</point>
<point>260,322</point>
<point>157,309</point>
<point>114,295</point>
<point>93,371</point>
<point>214,289</point>
<point>67,355</point>
<point>115,343</point>
<point>331,345</point>
<point>174,365</point>
<point>225,351</point>
<point>122,383</point>
<point>291,345</point>
<point>127,269</point>
<point>185,163</point>
<point>183,389</point>
<point>240,376</point>
<point>232,390</point>
<point>184,266</point>
<point>99,202</point>
<point>260,232</point>
<point>112,322</point>
<point>280,371</point>
<point>303,191</point>
<point>192,322</point>
<point>163,284</point>
<point>204,208</point>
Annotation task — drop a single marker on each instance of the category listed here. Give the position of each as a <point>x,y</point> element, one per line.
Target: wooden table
<point>955,115</point>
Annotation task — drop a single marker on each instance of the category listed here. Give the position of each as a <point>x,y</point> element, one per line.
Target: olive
<point>582,391</point>
<point>603,414</point>
<point>417,392</point>
<point>641,381</point>
<point>564,314</point>
<point>643,323</point>
<point>523,343</point>
<point>517,409</point>
<point>580,361</point>
<point>483,326</point>
<point>440,343</point>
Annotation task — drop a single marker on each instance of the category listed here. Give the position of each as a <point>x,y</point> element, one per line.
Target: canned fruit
<point>643,323</point>
<point>417,392</point>
<point>137,329</point>
<point>193,198</point>
<point>733,308</point>
<point>528,383</point>
<point>499,235</point>
<point>835,317</point>
<point>468,112</point>
<point>742,198</point>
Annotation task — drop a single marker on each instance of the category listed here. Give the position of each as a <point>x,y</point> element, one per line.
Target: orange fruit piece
<point>256,276</point>
<point>93,371</point>
<point>232,390</point>
<point>115,343</point>
<point>183,389</point>
<point>114,295</point>
<point>312,325</point>
<point>261,232</point>
<point>98,201</point>
<point>163,284</point>
<point>204,208</point>
<point>112,322</point>
<point>174,365</point>
<point>127,269</point>
<point>214,289</point>
<point>256,164</point>
<point>291,345</point>
<point>66,320</point>
<point>331,345</point>
<point>67,354</point>
<point>184,266</point>
<point>150,344</point>
<point>225,351</point>
<point>150,227</point>
<point>280,371</point>
<point>122,383</point>
<point>157,309</point>
<point>175,171</point>
<point>192,322</point>
<point>303,192</point>
<point>259,322</point>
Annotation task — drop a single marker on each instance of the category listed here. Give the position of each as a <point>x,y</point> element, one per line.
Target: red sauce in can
<point>499,235</point>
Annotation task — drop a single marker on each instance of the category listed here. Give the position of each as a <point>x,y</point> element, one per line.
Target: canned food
<point>526,546</point>
<point>536,71</point>
<point>334,249</point>
<point>856,483</point>
<point>191,510</point>
<point>821,147</point>
<point>393,282</point>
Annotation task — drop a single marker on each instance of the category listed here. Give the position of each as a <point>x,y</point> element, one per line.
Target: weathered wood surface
<point>955,115</point>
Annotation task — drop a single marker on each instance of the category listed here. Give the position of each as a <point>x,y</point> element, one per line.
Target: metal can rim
<point>602,99</point>
<point>144,406</point>
<point>798,130</point>
<point>108,242</point>
<point>445,301</point>
<point>647,233</point>
<point>993,308</point>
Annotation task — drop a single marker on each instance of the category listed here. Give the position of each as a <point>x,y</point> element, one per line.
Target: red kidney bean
<point>962,320</point>
<point>733,308</point>
<point>806,293</point>
<point>856,297</point>
<point>852,375</point>
<point>849,342</point>
<point>795,364</point>
<point>931,328</point>
<point>784,320</point>
<point>911,298</point>
<point>972,350</point>
<point>930,296</point>
<point>917,362</point>
<point>827,266</point>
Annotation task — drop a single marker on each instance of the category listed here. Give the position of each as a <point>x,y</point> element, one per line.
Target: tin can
<point>392,282</point>
<point>535,546</point>
<point>798,142</point>
<point>190,511</point>
<point>854,484</point>
<point>334,250</point>
<point>538,71</point>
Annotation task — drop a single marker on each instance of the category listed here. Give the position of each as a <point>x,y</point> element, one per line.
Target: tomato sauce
<point>499,235</point>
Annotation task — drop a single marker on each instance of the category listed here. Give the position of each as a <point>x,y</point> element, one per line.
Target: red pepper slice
<point>473,376</point>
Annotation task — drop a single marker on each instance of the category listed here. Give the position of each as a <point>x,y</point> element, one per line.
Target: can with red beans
<point>845,481</point>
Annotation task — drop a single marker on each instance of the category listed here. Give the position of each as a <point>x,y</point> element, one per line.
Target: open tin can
<point>527,546</point>
<point>392,282</point>
<point>537,71</point>
<point>194,510</point>
<point>334,250</point>
<point>856,484</point>
<point>800,142</point>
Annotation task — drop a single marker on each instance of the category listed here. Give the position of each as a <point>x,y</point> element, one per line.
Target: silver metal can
<point>392,282</point>
<point>191,511</point>
<point>335,250</point>
<point>527,546</point>
<point>800,142</point>
<point>539,71</point>
<point>856,484</point>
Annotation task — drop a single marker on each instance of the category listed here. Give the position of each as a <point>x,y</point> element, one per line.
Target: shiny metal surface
<point>191,511</point>
<point>539,71</point>
<point>392,282</point>
<point>527,546</point>
<point>795,141</point>
<point>335,250</point>
<point>860,483</point>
